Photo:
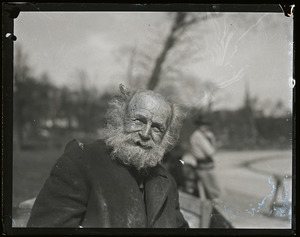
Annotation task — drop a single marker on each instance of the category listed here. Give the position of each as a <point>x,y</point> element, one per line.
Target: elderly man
<point>117,181</point>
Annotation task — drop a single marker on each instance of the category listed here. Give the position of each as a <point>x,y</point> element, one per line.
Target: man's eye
<point>139,121</point>
<point>157,129</point>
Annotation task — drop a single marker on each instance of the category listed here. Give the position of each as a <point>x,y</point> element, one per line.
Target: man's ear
<point>125,91</point>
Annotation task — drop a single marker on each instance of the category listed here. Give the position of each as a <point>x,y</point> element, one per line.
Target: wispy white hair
<point>117,109</point>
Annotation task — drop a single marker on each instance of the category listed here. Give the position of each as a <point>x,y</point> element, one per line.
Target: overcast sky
<point>231,50</point>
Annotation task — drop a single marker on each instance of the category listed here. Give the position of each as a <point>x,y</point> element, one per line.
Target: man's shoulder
<point>77,149</point>
<point>78,146</point>
<point>88,157</point>
<point>96,146</point>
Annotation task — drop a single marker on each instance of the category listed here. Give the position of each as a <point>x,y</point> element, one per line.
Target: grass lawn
<point>30,171</point>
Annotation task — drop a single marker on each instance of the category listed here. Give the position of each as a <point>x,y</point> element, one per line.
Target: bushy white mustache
<point>131,150</point>
<point>144,144</point>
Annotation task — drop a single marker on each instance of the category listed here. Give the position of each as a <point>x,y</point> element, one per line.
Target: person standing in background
<point>198,160</point>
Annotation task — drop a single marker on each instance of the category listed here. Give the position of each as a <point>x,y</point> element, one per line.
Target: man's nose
<point>145,132</point>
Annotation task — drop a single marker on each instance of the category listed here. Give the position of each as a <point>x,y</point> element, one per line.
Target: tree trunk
<point>178,25</point>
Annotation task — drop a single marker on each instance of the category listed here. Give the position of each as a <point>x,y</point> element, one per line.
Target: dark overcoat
<point>87,188</point>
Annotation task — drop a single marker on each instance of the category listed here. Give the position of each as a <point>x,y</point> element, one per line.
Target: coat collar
<point>157,186</point>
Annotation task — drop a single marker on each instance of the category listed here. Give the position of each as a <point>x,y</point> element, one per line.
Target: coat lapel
<point>157,187</point>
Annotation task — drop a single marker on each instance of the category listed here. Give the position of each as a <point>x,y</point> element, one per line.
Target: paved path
<point>249,182</point>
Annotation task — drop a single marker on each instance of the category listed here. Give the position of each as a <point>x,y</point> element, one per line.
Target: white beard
<point>125,149</point>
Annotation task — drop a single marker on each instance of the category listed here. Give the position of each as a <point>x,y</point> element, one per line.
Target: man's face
<point>147,117</point>
<point>138,141</point>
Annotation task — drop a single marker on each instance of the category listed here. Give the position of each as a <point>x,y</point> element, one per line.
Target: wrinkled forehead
<point>150,101</point>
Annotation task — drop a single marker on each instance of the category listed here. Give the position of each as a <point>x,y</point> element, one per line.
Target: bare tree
<point>162,56</point>
<point>181,23</point>
<point>159,63</point>
<point>21,74</point>
<point>32,100</point>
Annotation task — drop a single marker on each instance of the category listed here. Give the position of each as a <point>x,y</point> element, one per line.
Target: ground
<point>250,184</point>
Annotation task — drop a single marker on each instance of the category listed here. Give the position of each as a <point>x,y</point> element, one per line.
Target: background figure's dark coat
<point>86,187</point>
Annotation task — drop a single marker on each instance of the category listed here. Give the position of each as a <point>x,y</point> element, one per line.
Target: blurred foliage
<point>245,128</point>
<point>233,130</point>
<point>48,116</point>
<point>45,115</point>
